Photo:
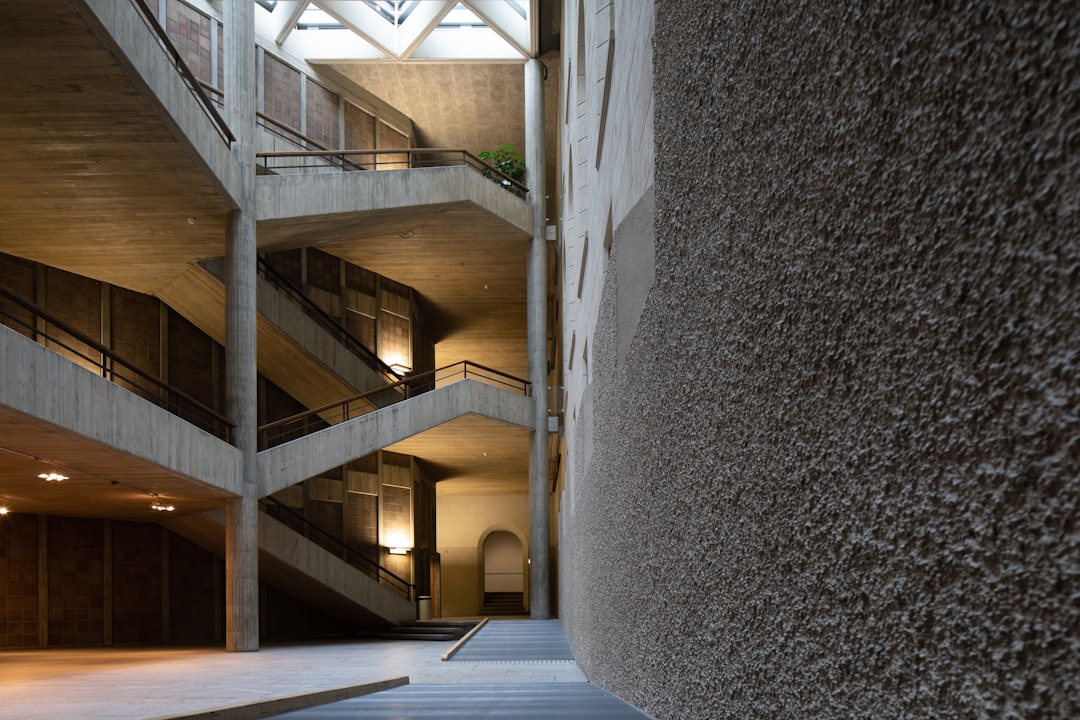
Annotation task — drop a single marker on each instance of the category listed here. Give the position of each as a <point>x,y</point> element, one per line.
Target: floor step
<point>425,630</point>
<point>503,603</point>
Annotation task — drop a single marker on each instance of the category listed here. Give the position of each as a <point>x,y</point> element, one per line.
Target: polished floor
<point>121,684</point>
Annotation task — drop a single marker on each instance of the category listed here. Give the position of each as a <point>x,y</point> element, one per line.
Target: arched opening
<point>504,574</point>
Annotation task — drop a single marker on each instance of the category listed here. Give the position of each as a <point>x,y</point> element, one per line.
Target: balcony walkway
<point>128,683</point>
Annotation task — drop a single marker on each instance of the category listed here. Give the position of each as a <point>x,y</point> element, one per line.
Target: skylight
<point>394,12</point>
<point>401,30</point>
<point>316,19</point>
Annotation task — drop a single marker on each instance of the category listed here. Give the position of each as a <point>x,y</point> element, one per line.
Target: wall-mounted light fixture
<point>52,477</point>
<point>162,506</point>
<point>398,551</point>
<point>4,510</point>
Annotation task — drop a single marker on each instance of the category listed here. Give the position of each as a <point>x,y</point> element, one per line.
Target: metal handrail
<point>276,126</point>
<point>340,548</point>
<point>416,158</point>
<point>326,321</point>
<point>174,400</point>
<point>309,421</point>
<point>193,83</point>
<point>280,129</point>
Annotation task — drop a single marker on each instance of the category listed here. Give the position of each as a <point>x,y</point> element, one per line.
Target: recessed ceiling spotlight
<point>52,477</point>
<point>191,221</point>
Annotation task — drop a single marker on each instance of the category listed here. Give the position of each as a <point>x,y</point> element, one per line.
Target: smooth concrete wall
<point>40,383</point>
<point>837,475</point>
<point>464,521</point>
<point>139,49</point>
<point>606,160</point>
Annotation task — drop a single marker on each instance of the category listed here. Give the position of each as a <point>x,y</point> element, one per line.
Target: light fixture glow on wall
<point>52,477</point>
<point>4,510</point>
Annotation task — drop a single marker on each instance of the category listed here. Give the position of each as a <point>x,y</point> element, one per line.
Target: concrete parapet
<point>41,384</point>
<point>282,197</point>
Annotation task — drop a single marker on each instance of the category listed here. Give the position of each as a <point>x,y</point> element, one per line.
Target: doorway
<point>504,577</point>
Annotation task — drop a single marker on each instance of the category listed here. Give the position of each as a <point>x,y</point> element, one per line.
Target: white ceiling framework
<point>402,30</point>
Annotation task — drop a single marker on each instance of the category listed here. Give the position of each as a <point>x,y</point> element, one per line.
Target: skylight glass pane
<point>518,7</point>
<point>394,12</point>
<point>313,18</point>
<point>461,17</point>
<point>386,9</point>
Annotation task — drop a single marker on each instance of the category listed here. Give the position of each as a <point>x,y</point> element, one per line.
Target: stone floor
<point>119,683</point>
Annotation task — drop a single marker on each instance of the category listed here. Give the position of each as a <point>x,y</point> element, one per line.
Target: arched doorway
<point>504,576</point>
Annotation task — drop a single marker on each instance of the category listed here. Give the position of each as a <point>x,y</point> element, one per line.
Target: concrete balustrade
<point>42,385</point>
<point>283,197</point>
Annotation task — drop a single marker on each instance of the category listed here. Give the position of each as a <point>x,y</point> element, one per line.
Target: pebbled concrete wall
<point>838,475</point>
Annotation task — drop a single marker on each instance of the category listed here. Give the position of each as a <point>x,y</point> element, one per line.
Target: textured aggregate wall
<point>838,474</point>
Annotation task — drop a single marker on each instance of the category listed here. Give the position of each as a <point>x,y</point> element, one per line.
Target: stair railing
<point>193,83</point>
<point>304,423</point>
<point>111,366</point>
<point>326,321</point>
<point>328,541</point>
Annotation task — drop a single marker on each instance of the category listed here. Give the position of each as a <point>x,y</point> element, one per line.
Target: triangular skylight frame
<point>499,32</point>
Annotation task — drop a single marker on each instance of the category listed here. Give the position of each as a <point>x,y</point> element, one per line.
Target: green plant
<point>507,161</point>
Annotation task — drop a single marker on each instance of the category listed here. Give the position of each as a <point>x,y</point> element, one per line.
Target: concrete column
<point>241,513</point>
<point>539,544</point>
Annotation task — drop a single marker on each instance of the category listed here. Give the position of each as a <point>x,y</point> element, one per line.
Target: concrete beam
<point>292,462</point>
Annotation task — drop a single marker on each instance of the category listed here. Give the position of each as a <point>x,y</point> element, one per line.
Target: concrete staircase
<point>426,630</point>
<point>306,571</point>
<point>295,352</point>
<point>504,603</point>
<point>308,456</point>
